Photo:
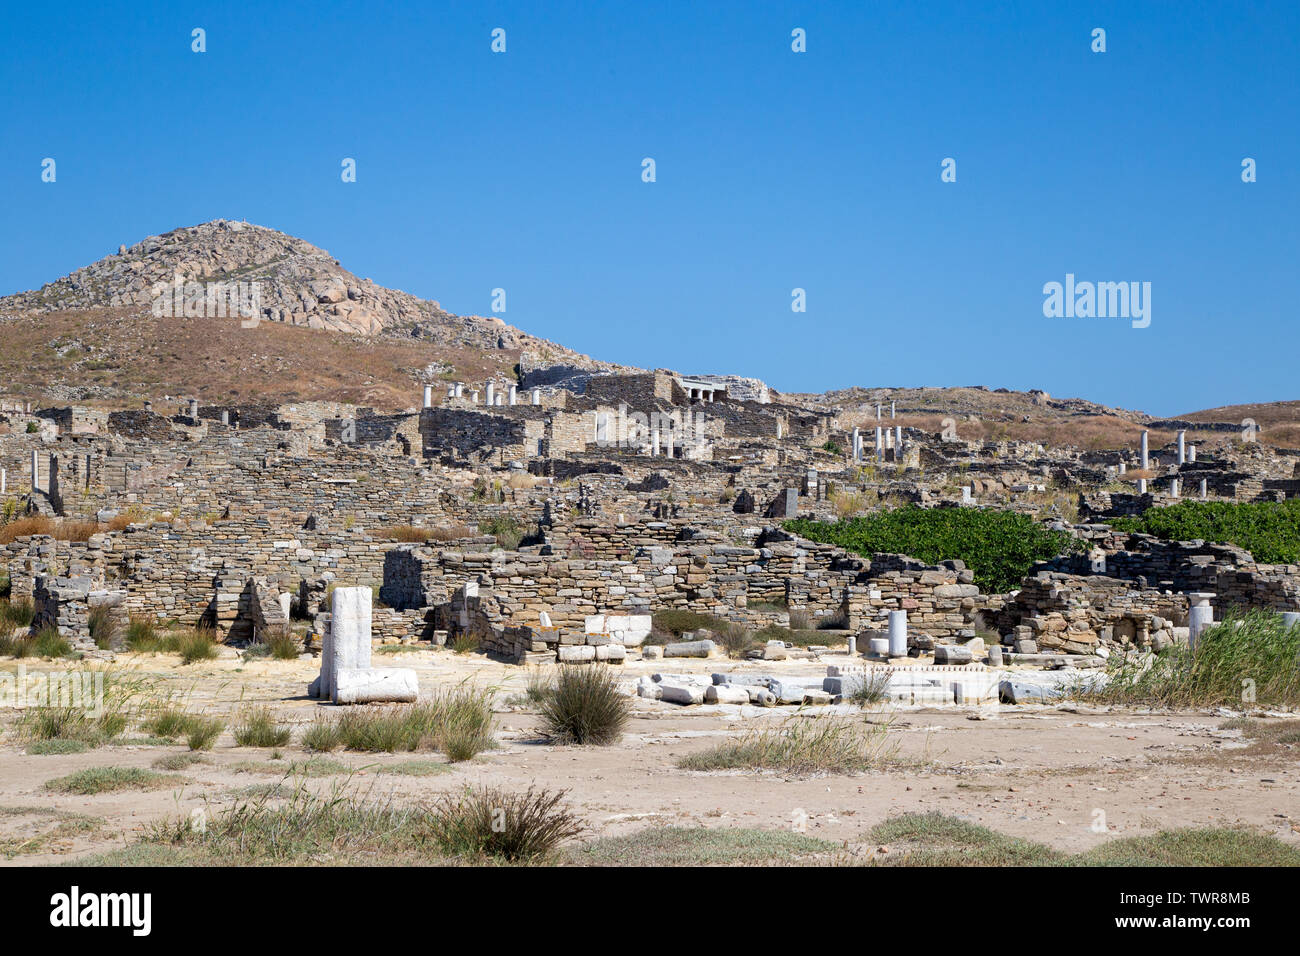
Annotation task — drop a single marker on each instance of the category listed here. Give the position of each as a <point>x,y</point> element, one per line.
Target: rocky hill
<point>298,284</point>
<point>323,333</point>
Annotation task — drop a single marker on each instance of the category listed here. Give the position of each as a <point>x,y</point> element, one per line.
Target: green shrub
<point>283,645</point>
<point>47,642</point>
<point>57,746</point>
<point>872,689</point>
<point>489,822</point>
<point>463,723</point>
<point>179,761</point>
<point>169,722</point>
<point>677,622</point>
<point>505,529</point>
<point>998,546</point>
<point>465,642</point>
<point>540,684</point>
<point>256,727</point>
<point>585,706</point>
<point>1269,530</point>
<point>303,829</point>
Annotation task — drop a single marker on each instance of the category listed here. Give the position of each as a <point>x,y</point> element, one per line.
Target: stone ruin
<point>630,493</point>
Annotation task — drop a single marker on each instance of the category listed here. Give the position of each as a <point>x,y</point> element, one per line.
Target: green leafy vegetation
<point>505,529</point>
<point>203,733</point>
<point>1269,530</point>
<point>192,643</point>
<point>998,546</point>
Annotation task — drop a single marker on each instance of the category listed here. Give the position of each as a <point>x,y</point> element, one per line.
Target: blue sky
<point>775,170</point>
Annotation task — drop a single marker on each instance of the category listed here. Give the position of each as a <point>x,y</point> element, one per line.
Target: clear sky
<point>775,170</point>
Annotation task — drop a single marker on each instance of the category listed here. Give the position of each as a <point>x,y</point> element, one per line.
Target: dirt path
<point>1050,775</point>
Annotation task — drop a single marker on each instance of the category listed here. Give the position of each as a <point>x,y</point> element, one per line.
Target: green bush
<point>585,706</point>
<point>506,530</point>
<point>280,645</point>
<point>47,642</point>
<point>998,546</point>
<point>107,779</point>
<point>677,622</point>
<point>169,723</point>
<point>801,746</point>
<point>1269,530</point>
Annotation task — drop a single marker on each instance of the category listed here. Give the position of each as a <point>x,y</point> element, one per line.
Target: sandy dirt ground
<point>1049,774</point>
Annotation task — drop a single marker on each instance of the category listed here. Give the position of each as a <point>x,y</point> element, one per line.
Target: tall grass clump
<point>872,688</point>
<point>257,727</point>
<point>1249,657</point>
<point>16,614</point>
<point>142,633</point>
<point>585,706</point>
<point>322,736</point>
<point>47,643</point>
<point>279,644</point>
<point>105,627</point>
<point>302,828</point>
<point>676,621</point>
<point>800,746</point>
<point>735,639</point>
<point>195,644</point>
<point>489,822</point>
<point>463,721</point>
<point>80,713</point>
<point>203,732</point>
<point>539,685</point>
<point>466,642</point>
<point>95,780</point>
<point>455,720</point>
